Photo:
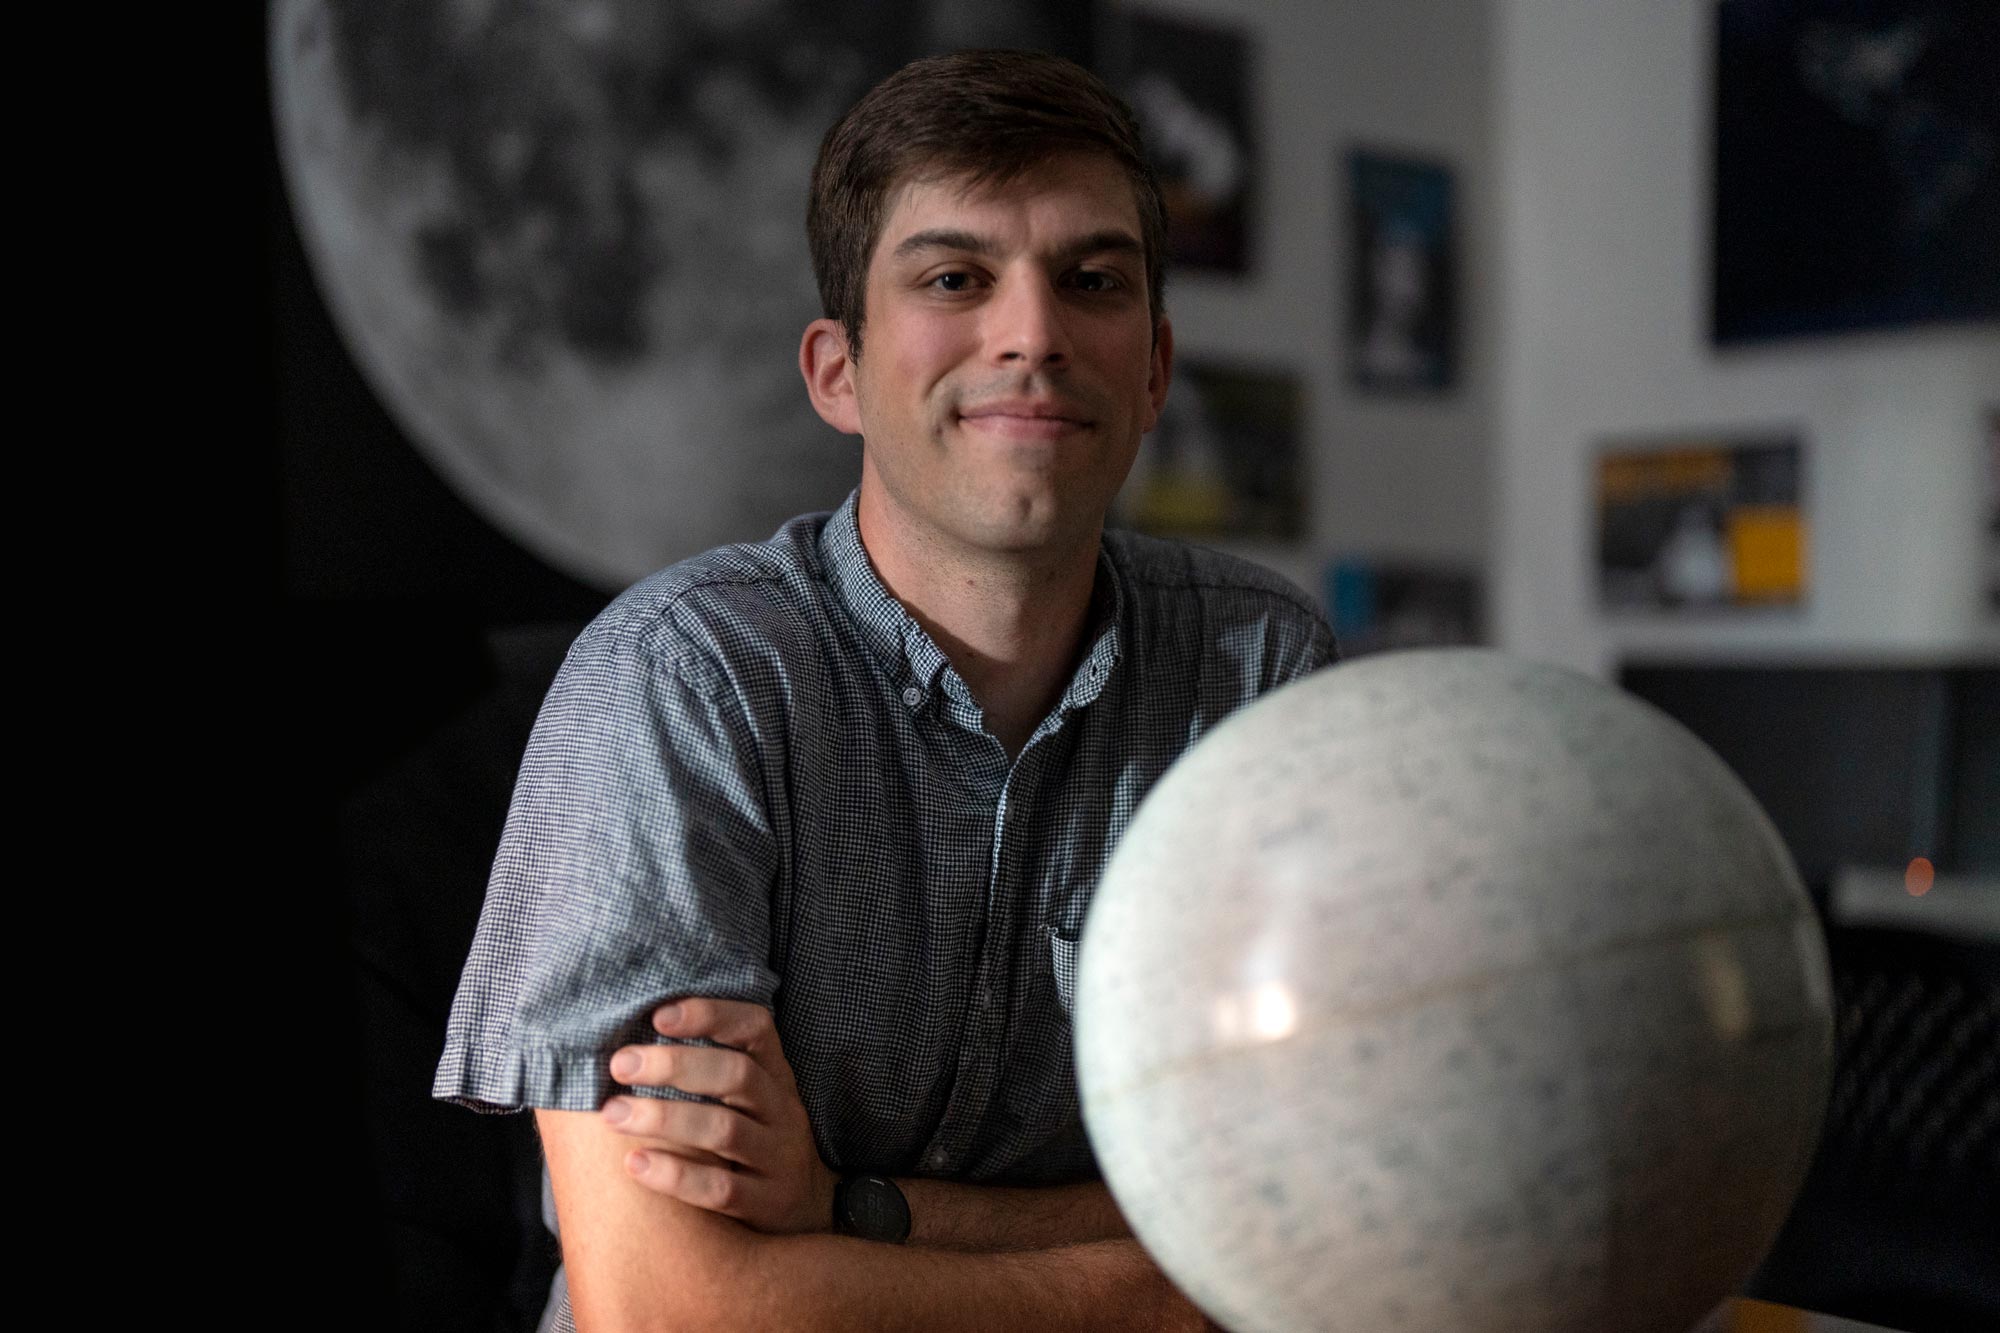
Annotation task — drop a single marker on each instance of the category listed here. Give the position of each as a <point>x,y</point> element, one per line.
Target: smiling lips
<point>1025,418</point>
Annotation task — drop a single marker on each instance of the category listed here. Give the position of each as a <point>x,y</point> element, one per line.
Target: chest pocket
<point>1062,967</point>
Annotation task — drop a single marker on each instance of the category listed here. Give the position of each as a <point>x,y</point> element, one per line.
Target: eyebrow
<point>946,238</point>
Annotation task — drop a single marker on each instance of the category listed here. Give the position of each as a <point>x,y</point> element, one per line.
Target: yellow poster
<point>1688,524</point>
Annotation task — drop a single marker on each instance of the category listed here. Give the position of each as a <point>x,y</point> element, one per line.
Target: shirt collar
<point>1107,614</point>
<point>902,647</point>
<point>877,615</point>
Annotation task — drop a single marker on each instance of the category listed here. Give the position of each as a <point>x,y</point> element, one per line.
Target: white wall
<point>1390,476</point>
<point>1603,119</point>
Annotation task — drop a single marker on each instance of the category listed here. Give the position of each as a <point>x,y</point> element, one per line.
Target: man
<point>836,802</point>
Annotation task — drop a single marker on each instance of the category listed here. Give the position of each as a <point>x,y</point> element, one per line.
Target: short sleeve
<point>1326,649</point>
<point>637,865</point>
<point>1304,645</point>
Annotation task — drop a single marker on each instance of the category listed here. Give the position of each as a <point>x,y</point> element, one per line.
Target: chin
<point>1040,528</point>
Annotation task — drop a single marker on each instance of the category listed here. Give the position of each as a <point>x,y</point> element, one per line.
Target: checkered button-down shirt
<point>757,778</point>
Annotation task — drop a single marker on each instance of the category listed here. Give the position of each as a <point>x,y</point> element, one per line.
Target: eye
<point>1095,280</point>
<point>956,280</point>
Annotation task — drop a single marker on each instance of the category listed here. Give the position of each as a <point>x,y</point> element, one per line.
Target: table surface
<point>1747,1316</point>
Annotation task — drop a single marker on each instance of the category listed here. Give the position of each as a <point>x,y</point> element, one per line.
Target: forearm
<point>835,1283</point>
<point>638,1260</point>
<point>946,1214</point>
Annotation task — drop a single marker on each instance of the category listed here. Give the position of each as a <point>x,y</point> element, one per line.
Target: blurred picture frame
<point>1402,273</point>
<point>1856,167</point>
<point>1189,83</point>
<point>1381,605</point>
<point>1227,460</point>
<point>1702,523</point>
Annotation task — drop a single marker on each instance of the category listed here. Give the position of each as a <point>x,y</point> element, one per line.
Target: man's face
<point>1009,363</point>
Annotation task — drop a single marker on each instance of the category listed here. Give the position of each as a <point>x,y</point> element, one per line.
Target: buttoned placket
<point>983,1035</point>
<point>981,1045</point>
<point>982,1040</point>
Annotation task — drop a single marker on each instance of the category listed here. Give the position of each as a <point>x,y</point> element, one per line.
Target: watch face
<point>874,1209</point>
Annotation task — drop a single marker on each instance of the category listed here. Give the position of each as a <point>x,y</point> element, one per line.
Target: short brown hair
<point>987,115</point>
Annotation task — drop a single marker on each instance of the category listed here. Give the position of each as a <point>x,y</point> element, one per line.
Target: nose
<point>1027,325</point>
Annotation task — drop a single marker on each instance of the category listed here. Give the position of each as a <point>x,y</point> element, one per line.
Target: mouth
<point>1025,418</point>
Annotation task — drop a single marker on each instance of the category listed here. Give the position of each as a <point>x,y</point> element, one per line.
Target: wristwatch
<point>871,1207</point>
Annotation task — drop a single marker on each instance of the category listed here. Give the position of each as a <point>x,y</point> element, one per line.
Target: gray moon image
<point>566,245</point>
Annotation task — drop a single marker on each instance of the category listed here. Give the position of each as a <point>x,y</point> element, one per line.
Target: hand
<point>752,1157</point>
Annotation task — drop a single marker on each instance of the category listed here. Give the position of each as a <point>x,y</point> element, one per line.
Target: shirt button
<point>935,1159</point>
<point>912,696</point>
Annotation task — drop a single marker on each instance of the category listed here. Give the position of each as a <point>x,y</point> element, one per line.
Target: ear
<point>1162,372</point>
<point>829,375</point>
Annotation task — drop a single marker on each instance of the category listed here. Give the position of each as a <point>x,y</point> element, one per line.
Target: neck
<point>1011,626</point>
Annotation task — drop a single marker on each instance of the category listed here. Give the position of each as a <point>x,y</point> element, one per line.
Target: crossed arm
<point>699,1214</point>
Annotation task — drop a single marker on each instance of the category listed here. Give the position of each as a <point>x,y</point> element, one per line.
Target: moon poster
<point>1701,523</point>
<point>566,243</point>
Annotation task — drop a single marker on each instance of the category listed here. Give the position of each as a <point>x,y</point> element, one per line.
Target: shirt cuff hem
<point>501,1079</point>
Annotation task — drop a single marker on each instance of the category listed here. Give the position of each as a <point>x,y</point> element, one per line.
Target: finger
<point>700,1130</point>
<point>737,1023</point>
<point>716,1188</point>
<point>706,1071</point>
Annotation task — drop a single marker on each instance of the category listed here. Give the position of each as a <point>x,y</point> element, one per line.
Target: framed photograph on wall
<point>1401,297</point>
<point>1856,165</point>
<point>1376,605</point>
<point>1189,84</point>
<point>1701,523</point>
<point>1227,459</point>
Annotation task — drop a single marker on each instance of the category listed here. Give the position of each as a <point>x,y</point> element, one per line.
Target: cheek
<point>1131,352</point>
<point>901,376</point>
<point>928,349</point>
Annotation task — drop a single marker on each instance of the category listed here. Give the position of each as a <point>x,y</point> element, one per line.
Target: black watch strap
<point>871,1207</point>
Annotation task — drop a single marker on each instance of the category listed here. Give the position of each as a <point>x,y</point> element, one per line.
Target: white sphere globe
<point>1444,990</point>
